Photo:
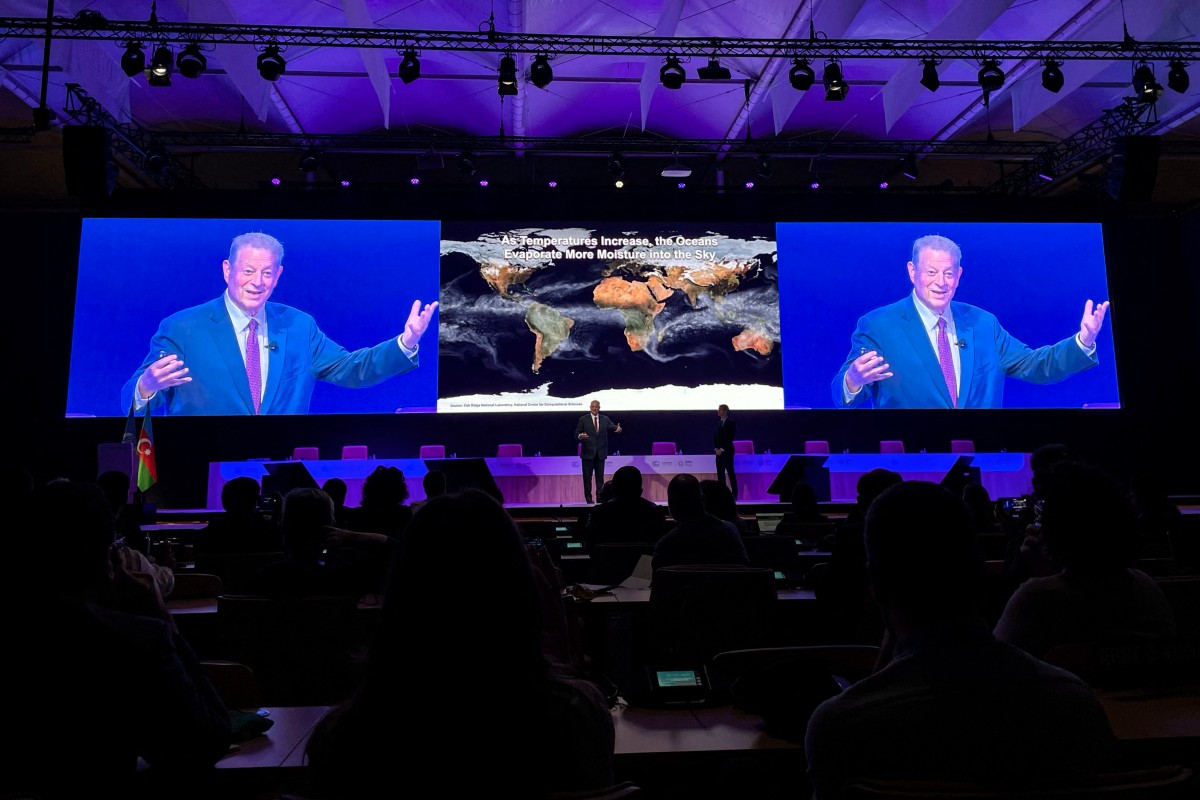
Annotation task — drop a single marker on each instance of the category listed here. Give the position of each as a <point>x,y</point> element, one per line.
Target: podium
<point>810,469</point>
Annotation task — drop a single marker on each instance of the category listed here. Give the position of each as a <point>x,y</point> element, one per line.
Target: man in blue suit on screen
<point>239,354</point>
<point>927,352</point>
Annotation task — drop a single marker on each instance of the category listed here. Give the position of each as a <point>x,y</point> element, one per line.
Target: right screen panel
<point>841,284</point>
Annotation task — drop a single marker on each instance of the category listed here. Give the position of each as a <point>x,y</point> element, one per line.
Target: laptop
<point>640,579</point>
<point>768,521</point>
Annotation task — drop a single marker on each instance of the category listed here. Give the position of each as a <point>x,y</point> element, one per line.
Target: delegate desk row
<point>554,480</point>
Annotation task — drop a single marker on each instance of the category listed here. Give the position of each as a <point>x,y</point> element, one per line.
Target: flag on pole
<point>147,473</point>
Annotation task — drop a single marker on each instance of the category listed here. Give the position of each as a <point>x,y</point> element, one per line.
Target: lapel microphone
<point>272,346</point>
<point>961,344</point>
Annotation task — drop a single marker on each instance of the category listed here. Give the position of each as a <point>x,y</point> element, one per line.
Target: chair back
<point>306,454</point>
<point>743,447</point>
<point>700,610</point>
<point>772,551</point>
<point>304,651</point>
<point>891,446</point>
<point>509,451</point>
<point>352,452</point>
<point>962,446</point>
<point>235,683</point>
<point>816,447</point>
<point>662,449</point>
<point>191,585</point>
<point>433,451</point>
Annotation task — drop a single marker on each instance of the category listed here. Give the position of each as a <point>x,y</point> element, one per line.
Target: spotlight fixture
<point>1177,78</point>
<point>616,166</point>
<point>540,73</point>
<point>801,75</point>
<point>270,63</point>
<point>671,74</point>
<point>410,66</point>
<point>506,83</point>
<point>466,164</point>
<point>991,77</point>
<point>160,63</point>
<point>133,61</point>
<point>883,184</point>
<point>1145,88</point>
<point>620,184</point>
<point>713,72</point>
<point>309,162</point>
<point>191,62</point>
<point>1052,77</point>
<point>929,75</point>
<point>276,180</point>
<point>677,170</point>
<point>910,170</point>
<point>836,87</point>
<point>749,184</point>
<point>344,183</point>
<point>764,167</point>
<point>414,181</point>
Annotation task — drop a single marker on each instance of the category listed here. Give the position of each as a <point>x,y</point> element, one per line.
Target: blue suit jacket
<point>988,356</point>
<point>203,337</point>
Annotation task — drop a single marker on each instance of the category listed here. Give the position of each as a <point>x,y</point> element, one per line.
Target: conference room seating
<point>962,446</point>
<point>354,452</point>
<point>306,454</point>
<point>432,451</point>
<point>816,447</point>
<point>662,449</point>
<point>743,447</point>
<point>509,451</point>
<point>891,446</point>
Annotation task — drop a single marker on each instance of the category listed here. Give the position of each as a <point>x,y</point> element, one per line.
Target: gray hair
<point>258,240</point>
<point>936,242</point>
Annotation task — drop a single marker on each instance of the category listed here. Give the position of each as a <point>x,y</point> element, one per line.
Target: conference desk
<point>557,480</point>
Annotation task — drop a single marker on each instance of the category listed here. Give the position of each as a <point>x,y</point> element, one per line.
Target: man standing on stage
<point>723,447</point>
<point>592,431</point>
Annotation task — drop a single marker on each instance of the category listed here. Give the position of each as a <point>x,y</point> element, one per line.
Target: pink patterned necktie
<point>253,366</point>
<point>947,362</point>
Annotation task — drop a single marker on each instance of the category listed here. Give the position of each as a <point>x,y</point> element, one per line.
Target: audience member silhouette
<point>320,559</point>
<point>382,509</point>
<point>242,528</point>
<point>336,489</point>
<point>720,502</point>
<point>1089,529</point>
<point>628,516</point>
<point>953,705</point>
<point>698,537</point>
<point>444,664</point>
<point>434,484</point>
<point>983,510</point>
<point>73,649</point>
<point>126,519</point>
<point>804,508</point>
<point>841,588</point>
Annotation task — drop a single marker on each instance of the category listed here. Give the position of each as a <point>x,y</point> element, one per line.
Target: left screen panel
<point>355,279</point>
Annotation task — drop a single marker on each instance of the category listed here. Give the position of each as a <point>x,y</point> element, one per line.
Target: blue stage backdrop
<point>1035,277</point>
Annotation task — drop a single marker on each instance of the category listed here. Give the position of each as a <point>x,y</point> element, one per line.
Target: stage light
<point>801,75</point>
<point>681,185</point>
<point>506,81</point>
<point>414,181</point>
<point>764,167</point>
<point>620,184</point>
<point>1177,78</point>
<point>815,185</point>
<point>713,72</point>
<point>466,164</point>
<point>836,87</point>
<point>191,62</point>
<point>270,63</point>
<point>484,183</point>
<point>616,166</point>
<point>929,75</point>
<point>883,184</point>
<point>1045,171</point>
<point>991,77</point>
<point>552,184</point>
<point>133,61</point>
<point>749,184</point>
<point>345,182</point>
<point>160,63</point>
<point>676,169</point>
<point>1145,88</point>
<point>276,180</point>
<point>410,66</point>
<point>671,74</point>
<point>1052,77</point>
<point>309,162</point>
<point>909,170</point>
<point>540,73</point>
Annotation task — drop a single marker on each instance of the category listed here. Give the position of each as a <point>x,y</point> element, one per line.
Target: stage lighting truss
<point>133,60</point>
<point>540,73</point>
<point>671,74</point>
<point>270,63</point>
<point>410,67</point>
<point>190,62</point>
<point>801,75</point>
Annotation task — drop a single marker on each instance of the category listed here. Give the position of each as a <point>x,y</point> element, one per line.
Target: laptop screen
<point>767,522</point>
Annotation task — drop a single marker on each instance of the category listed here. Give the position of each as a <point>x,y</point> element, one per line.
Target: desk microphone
<point>273,347</point>
<point>961,344</point>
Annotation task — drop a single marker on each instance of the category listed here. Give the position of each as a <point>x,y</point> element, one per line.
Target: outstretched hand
<point>1093,320</point>
<point>418,321</point>
<point>164,373</point>
<point>617,429</point>
<point>867,368</point>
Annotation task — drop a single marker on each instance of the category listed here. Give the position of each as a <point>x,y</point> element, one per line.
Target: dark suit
<point>594,450</point>
<point>723,441</point>
<point>989,354</point>
<point>203,337</point>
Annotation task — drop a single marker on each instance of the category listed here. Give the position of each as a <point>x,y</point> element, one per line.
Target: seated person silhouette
<point>698,537</point>
<point>720,502</point>
<point>434,484</point>
<point>446,653</point>
<point>627,516</point>
<point>382,509</point>
<point>136,552</point>
<point>81,642</point>
<point>337,489</point>
<point>242,528</point>
<point>804,508</point>
<point>1089,530</point>
<point>953,704</point>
